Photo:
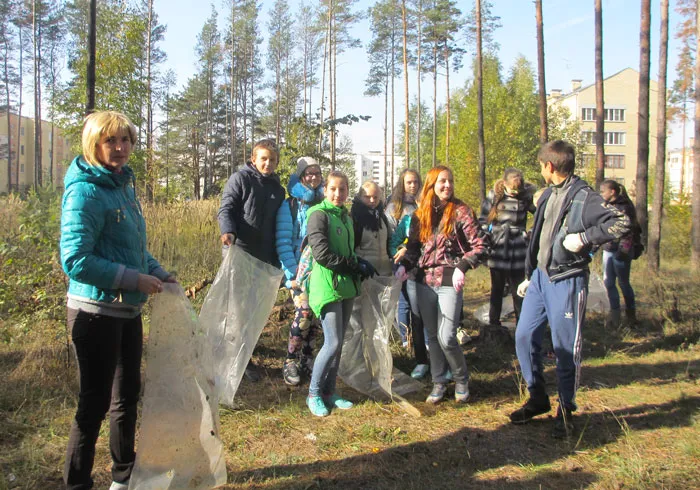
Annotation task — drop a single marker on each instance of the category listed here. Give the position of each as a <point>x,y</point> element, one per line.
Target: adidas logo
<point>568,315</point>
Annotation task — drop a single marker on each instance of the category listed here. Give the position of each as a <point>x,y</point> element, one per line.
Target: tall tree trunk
<point>386,121</point>
<point>695,205</point>
<point>544,130</point>
<point>599,98</point>
<point>447,105</point>
<point>326,55</point>
<point>92,46</point>
<point>480,106</point>
<point>150,174</point>
<point>407,133</point>
<point>643,132</point>
<point>19,109</point>
<point>653,254</point>
<point>6,82</point>
<point>435,68</point>
<point>333,84</point>
<point>393,103</point>
<point>684,119</point>
<point>418,80</point>
<point>36,29</point>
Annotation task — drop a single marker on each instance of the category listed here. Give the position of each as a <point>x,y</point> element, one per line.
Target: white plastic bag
<point>179,445</point>
<point>234,313</point>
<point>366,363</point>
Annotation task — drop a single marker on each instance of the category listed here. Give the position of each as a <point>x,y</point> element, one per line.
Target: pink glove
<point>458,280</point>
<point>401,273</point>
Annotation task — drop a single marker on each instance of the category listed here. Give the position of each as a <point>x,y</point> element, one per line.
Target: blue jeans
<point>334,318</point>
<point>439,308</point>
<point>420,335</point>
<point>617,270</point>
<point>563,305</point>
<point>403,313</point>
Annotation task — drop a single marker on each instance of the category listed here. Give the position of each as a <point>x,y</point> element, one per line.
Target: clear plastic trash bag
<point>366,364</point>
<point>234,313</point>
<point>597,301</point>
<point>179,445</point>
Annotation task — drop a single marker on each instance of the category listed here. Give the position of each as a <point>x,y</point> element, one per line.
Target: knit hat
<point>304,162</point>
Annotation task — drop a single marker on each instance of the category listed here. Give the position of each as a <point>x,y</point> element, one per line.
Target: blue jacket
<point>400,234</point>
<point>248,209</point>
<point>290,231</point>
<point>103,236</point>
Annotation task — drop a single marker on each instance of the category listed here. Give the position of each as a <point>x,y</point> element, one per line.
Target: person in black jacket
<point>618,256</point>
<point>248,211</point>
<point>570,219</point>
<point>504,216</point>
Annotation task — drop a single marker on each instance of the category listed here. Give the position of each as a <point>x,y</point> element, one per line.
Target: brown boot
<point>613,319</point>
<point>631,317</point>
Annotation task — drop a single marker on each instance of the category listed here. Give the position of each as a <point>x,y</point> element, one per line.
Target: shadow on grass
<point>507,457</point>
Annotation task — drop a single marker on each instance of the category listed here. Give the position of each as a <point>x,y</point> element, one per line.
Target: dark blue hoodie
<point>248,209</point>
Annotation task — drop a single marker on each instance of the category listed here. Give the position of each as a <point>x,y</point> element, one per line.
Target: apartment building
<point>375,165</point>
<point>621,93</point>
<point>679,170</point>
<point>55,151</point>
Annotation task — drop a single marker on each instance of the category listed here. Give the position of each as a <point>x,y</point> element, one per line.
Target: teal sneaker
<point>336,401</point>
<point>317,407</point>
<point>448,375</point>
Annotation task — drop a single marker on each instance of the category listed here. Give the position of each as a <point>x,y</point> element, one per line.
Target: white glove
<point>401,273</point>
<point>573,242</point>
<point>522,288</point>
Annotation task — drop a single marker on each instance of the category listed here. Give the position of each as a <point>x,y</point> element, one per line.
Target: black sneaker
<point>252,372</point>
<point>532,408</point>
<point>291,372</point>
<point>563,424</point>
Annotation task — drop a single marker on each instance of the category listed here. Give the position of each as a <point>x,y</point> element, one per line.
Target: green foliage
<point>32,286</point>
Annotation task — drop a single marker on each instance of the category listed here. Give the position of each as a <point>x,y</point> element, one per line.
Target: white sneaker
<point>119,486</point>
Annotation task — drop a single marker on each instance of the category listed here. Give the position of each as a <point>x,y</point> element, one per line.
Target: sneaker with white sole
<point>420,371</point>
<point>437,394</point>
<point>317,407</point>
<point>335,401</point>
<point>461,392</point>
<point>119,486</point>
<point>290,372</point>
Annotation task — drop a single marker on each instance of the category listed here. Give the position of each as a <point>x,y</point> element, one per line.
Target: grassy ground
<point>638,424</point>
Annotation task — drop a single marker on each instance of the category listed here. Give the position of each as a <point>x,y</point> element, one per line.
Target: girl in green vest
<point>333,285</point>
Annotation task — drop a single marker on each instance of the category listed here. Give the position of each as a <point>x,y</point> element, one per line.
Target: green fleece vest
<point>326,286</point>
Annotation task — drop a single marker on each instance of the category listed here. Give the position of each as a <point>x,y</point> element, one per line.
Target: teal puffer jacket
<point>103,236</point>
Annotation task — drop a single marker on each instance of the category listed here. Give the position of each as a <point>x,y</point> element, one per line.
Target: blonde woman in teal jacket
<point>103,252</point>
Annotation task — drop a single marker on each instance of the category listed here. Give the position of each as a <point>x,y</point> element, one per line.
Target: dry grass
<point>638,423</point>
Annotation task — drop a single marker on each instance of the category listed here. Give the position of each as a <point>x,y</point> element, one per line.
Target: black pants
<point>108,351</point>
<point>499,277</point>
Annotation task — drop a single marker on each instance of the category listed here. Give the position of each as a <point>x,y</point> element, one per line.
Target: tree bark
<point>653,253</point>
<point>150,177</point>
<point>407,139</point>
<point>36,29</point>
<point>599,98</point>
<point>643,131</point>
<point>418,80</point>
<point>480,106</point>
<point>92,46</point>
<point>695,206</point>
<point>544,130</point>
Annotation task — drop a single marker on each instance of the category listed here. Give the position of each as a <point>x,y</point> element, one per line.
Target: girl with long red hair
<point>443,243</point>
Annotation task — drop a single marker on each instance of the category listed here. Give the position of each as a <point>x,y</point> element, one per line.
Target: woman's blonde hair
<point>100,123</point>
<point>366,186</point>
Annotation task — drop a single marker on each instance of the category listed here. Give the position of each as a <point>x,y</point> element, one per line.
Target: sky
<point>568,37</point>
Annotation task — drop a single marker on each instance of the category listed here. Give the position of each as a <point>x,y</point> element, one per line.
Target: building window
<point>21,150</point>
<point>615,115</point>
<point>364,174</point>
<point>21,168</point>
<point>611,137</point>
<point>614,161</point>
<point>614,138</point>
<point>588,114</point>
<point>611,115</point>
<point>21,130</point>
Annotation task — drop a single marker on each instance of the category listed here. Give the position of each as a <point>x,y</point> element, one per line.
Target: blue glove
<point>367,270</point>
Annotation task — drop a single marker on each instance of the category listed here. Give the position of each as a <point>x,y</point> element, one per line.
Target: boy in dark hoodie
<point>570,219</point>
<point>249,205</point>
